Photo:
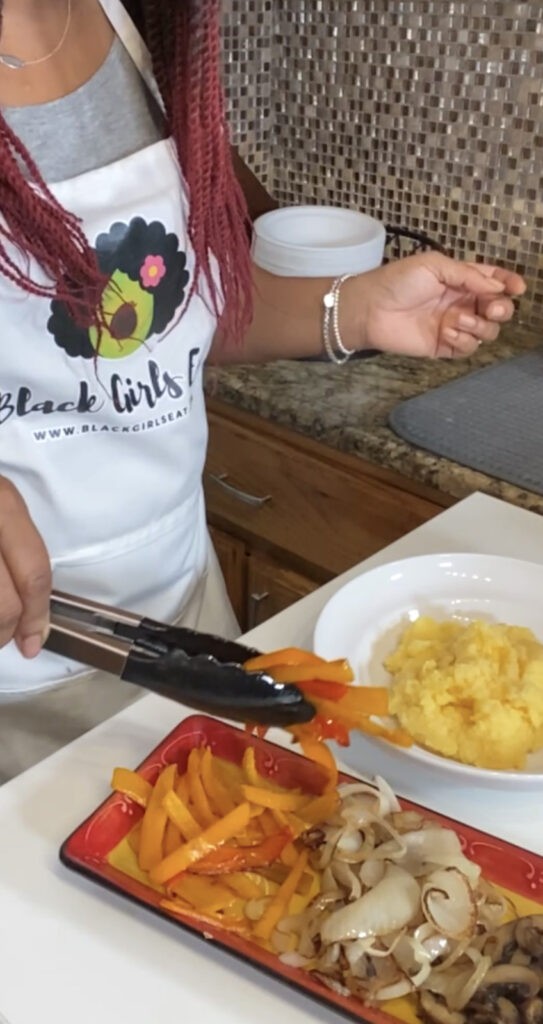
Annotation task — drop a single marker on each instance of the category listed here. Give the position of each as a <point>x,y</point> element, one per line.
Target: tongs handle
<point>200,670</point>
<point>161,637</point>
<point>226,690</point>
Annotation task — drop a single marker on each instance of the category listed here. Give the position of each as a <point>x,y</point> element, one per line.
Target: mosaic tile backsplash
<point>426,113</point>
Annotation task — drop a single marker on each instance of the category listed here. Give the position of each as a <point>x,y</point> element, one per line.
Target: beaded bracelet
<point>330,325</point>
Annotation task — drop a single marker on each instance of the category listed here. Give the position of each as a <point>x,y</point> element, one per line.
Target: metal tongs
<point>202,671</point>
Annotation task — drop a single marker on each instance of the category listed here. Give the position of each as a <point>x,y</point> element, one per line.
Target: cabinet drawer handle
<point>255,600</point>
<point>249,499</point>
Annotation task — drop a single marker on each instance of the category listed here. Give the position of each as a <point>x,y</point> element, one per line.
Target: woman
<point>118,279</point>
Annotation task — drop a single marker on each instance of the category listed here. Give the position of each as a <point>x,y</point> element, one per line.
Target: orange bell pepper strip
<point>296,823</point>
<point>217,794</point>
<point>351,718</point>
<point>131,784</point>
<point>273,800</point>
<point>289,855</point>
<point>318,752</point>
<point>268,823</point>
<point>227,859</point>
<point>244,886</point>
<point>323,689</point>
<point>154,820</point>
<point>366,700</point>
<point>236,925</point>
<point>198,795</point>
<point>279,904</point>
<point>320,809</point>
<point>398,737</point>
<point>133,839</point>
<point>217,834</point>
<point>249,768</point>
<point>172,838</point>
<point>333,671</point>
<point>286,656</point>
<point>180,816</point>
<point>360,721</point>
<point>205,895</point>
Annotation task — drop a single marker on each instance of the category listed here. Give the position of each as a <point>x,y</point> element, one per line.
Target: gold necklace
<point>8,60</point>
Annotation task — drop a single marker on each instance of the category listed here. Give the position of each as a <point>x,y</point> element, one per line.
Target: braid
<point>183,37</point>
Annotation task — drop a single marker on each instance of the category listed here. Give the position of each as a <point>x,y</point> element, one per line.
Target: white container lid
<point>317,241</point>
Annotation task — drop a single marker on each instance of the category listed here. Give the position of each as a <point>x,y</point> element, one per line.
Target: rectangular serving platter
<point>87,849</point>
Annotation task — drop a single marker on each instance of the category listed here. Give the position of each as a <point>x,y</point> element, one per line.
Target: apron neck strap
<point>131,39</point>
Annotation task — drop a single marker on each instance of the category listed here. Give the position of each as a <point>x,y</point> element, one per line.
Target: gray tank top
<point>111,116</point>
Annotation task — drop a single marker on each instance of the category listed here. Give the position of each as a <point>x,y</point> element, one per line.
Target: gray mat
<point>491,420</point>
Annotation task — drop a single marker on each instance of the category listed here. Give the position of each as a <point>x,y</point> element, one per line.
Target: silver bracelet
<point>330,324</point>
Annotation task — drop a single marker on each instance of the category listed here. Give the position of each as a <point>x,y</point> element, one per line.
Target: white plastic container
<point>317,241</point>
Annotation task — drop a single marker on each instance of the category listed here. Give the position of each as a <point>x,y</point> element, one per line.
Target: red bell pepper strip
<point>323,689</point>
<point>321,728</point>
<point>227,859</point>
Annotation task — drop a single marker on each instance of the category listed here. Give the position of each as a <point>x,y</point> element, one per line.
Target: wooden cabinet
<point>289,513</point>
<point>232,555</point>
<point>271,587</point>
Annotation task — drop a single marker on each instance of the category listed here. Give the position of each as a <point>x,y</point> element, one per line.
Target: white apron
<point>107,448</point>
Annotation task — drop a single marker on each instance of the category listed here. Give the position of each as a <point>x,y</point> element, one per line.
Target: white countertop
<point>71,953</point>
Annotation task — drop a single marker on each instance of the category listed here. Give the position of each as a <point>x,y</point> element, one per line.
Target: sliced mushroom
<point>507,1012</point>
<point>436,1012</point>
<point>515,981</point>
<point>532,1011</point>
<point>493,1011</point>
<point>501,945</point>
<point>520,956</point>
<point>529,934</point>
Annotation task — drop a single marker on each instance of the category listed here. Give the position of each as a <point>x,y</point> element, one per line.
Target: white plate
<point>363,622</point>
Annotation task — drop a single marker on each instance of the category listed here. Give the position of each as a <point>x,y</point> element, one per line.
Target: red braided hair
<point>183,37</point>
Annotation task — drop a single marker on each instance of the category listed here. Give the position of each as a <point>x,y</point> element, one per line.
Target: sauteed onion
<point>401,910</point>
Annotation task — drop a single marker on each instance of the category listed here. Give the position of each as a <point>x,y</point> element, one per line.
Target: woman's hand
<point>430,305</point>
<point>25,576</point>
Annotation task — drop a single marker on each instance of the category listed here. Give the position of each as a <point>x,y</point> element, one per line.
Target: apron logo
<point>147,285</point>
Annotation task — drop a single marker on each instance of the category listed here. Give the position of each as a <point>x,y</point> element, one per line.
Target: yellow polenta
<point>473,692</point>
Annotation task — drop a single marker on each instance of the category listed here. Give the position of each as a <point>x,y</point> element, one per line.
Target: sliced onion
<point>462,996</point>
<point>396,991</point>
<point>401,907</point>
<point>355,952</point>
<point>391,905</point>
<point>389,803</point>
<point>459,984</point>
<point>386,800</point>
<point>372,872</point>
<point>345,876</point>
<point>454,955</point>
<point>255,908</point>
<point>384,947</point>
<point>331,983</point>
<point>448,903</point>
<point>353,846</point>
<point>294,959</point>
<point>432,944</point>
<point>331,955</point>
<point>359,810</point>
<point>407,821</point>
<point>281,941</point>
<point>328,881</point>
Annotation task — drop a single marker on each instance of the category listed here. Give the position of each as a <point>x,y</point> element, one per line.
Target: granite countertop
<point>347,408</point>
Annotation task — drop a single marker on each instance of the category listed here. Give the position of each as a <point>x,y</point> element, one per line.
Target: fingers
<point>513,283</point>
<point>11,606</point>
<point>459,343</point>
<point>466,330</point>
<point>25,576</point>
<point>477,279</point>
<point>499,310</point>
